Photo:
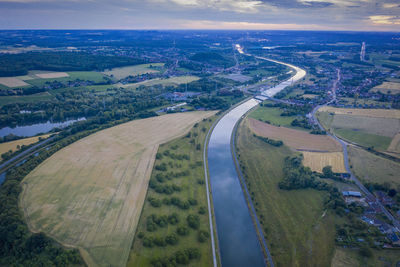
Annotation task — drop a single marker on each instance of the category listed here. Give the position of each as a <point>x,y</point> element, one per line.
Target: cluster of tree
<point>150,242</point>
<point>164,189</point>
<point>20,64</point>
<point>116,104</point>
<point>301,123</point>
<point>385,187</point>
<point>182,204</point>
<point>269,140</point>
<point>174,156</point>
<point>235,93</point>
<point>317,130</point>
<point>190,65</point>
<point>162,177</point>
<point>327,173</point>
<point>210,103</point>
<point>213,58</point>
<point>202,85</point>
<point>153,222</point>
<point>296,176</point>
<point>181,257</point>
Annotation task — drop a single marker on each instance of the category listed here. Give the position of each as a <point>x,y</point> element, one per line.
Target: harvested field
<point>237,77</point>
<point>12,82</point>
<point>12,145</point>
<point>395,144</point>
<point>387,88</point>
<point>173,81</point>
<point>123,72</point>
<point>52,75</point>
<point>90,194</point>
<point>318,160</point>
<point>372,125</point>
<point>309,96</point>
<point>377,113</point>
<point>295,139</point>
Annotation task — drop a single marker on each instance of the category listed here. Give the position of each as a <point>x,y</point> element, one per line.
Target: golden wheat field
<point>377,113</point>
<point>12,145</point>
<point>318,160</point>
<point>90,194</point>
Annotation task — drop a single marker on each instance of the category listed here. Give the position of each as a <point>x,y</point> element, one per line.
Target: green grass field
<point>123,72</point>
<point>93,76</point>
<point>380,258</point>
<point>4,100</point>
<point>365,131</point>
<point>296,230</point>
<point>273,116</point>
<point>371,168</point>
<point>172,81</point>
<point>365,139</point>
<point>192,188</point>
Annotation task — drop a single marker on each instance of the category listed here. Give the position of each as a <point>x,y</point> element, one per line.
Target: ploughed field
<point>90,194</point>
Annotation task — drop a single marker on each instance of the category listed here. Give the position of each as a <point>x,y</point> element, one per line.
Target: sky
<point>352,15</point>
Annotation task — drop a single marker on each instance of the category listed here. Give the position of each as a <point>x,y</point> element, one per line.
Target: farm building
<point>351,194</point>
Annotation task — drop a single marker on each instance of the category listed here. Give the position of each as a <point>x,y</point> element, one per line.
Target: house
<point>351,194</point>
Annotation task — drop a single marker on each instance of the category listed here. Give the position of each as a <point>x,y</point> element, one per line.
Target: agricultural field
<point>13,145</point>
<point>372,168</point>
<point>179,164</point>
<point>12,82</point>
<point>298,231</point>
<point>318,160</point>
<point>272,115</point>
<point>123,72</point>
<point>375,113</point>
<point>380,258</point>
<point>4,100</point>
<point>40,78</point>
<point>394,146</point>
<point>295,139</point>
<point>367,127</point>
<point>172,81</point>
<point>90,194</point>
<point>387,88</point>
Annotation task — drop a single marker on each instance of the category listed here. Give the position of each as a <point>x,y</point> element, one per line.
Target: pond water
<point>32,130</point>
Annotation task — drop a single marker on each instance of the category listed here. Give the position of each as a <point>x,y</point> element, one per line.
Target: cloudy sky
<point>363,15</point>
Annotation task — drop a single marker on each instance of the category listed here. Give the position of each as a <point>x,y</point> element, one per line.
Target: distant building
<point>351,194</point>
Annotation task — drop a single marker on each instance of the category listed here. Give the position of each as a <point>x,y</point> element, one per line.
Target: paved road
<point>344,145</point>
<point>26,152</point>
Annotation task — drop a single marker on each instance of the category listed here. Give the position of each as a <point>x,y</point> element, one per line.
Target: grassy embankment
<point>183,162</point>
<point>297,230</point>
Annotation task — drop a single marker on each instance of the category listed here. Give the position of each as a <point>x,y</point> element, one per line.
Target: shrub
<point>193,221</point>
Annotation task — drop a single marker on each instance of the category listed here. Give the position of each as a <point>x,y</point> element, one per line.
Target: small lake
<point>34,129</point>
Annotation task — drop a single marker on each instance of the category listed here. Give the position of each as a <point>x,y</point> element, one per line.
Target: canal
<point>237,237</point>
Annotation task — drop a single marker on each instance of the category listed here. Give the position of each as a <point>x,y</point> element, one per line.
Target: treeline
<point>115,105</point>
<point>213,58</point>
<point>296,176</point>
<point>20,64</point>
<point>210,103</point>
<point>272,142</point>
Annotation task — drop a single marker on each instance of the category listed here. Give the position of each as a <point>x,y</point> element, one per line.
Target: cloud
<point>385,19</point>
<point>242,25</point>
<point>391,5</point>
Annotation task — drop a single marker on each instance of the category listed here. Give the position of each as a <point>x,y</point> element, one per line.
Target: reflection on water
<point>32,130</point>
<point>238,242</point>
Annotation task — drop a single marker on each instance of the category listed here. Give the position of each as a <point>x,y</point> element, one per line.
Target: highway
<point>25,153</point>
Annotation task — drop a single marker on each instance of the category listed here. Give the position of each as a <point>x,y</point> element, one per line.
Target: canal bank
<point>238,239</point>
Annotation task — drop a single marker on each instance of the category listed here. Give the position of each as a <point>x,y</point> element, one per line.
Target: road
<point>26,152</point>
<point>344,145</point>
